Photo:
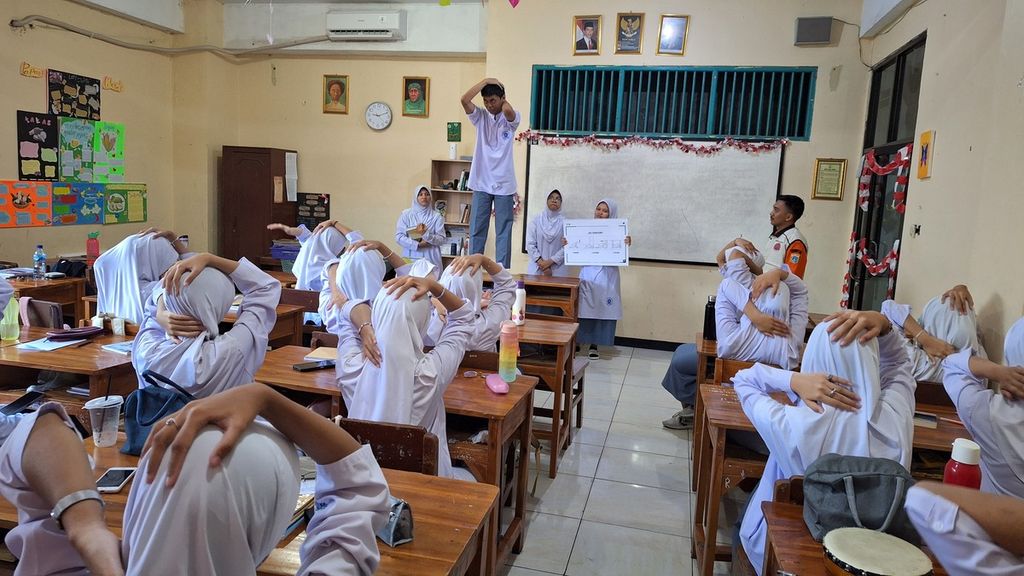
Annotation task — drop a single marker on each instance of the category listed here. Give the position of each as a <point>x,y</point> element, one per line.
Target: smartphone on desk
<point>317,365</point>
<point>114,479</point>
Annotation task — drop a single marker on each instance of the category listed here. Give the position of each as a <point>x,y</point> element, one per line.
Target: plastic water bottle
<point>92,248</point>
<point>38,262</point>
<point>962,468</point>
<point>508,350</point>
<point>9,325</point>
<point>519,306</point>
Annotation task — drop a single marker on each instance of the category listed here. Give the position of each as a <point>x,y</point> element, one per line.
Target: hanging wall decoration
<point>73,95</point>
<point>77,203</point>
<point>869,165</point>
<point>24,203</point>
<point>108,152</point>
<point>37,146</point>
<point>76,150</point>
<point>124,203</point>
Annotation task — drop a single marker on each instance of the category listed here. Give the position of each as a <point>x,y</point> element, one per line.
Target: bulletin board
<point>73,95</point>
<point>77,203</point>
<point>24,204</point>
<point>37,146</point>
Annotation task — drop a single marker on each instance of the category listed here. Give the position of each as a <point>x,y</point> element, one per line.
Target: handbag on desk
<point>146,406</point>
<point>398,529</point>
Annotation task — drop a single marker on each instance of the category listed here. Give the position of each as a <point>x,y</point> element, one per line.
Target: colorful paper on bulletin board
<point>37,146</point>
<point>108,152</point>
<point>76,151</point>
<point>24,203</point>
<point>72,95</point>
<point>124,203</point>
<point>77,203</point>
<point>313,209</point>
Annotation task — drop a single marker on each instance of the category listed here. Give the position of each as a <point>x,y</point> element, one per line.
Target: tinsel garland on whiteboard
<point>709,149</point>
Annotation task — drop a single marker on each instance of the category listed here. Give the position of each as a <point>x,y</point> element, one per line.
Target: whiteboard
<point>681,207</point>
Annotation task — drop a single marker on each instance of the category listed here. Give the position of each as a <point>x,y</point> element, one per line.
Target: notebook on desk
<point>322,353</point>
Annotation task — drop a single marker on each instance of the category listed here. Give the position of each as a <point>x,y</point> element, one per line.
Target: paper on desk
<point>291,175</point>
<point>46,345</point>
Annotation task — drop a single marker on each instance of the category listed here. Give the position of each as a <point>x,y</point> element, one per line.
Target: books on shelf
<point>464,212</point>
<point>463,180</point>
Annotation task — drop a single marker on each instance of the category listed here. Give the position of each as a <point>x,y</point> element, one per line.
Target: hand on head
<point>818,389</point>
<point>193,266</point>
<point>177,326</point>
<point>398,286</point>
<point>859,325</point>
<point>463,263</point>
<point>960,299</point>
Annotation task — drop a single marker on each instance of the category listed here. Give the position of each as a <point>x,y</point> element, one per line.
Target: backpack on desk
<point>70,268</point>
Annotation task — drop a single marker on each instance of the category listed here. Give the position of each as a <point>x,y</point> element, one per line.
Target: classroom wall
<point>972,95</point>
<point>145,107</point>
<point>665,302</point>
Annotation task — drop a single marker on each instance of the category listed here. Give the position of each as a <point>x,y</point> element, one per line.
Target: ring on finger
<point>829,378</point>
<point>171,422</point>
<point>832,392</point>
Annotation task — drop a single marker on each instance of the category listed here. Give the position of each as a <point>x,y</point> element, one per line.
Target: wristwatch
<point>70,500</point>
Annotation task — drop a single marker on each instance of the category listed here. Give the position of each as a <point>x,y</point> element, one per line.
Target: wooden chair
<point>579,370</point>
<point>396,446</point>
<point>932,394</point>
<point>724,371</point>
<point>790,491</point>
<point>308,299</point>
<point>323,339</point>
<point>41,313</point>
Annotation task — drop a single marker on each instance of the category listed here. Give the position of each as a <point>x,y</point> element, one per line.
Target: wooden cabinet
<point>252,195</point>
<point>458,211</point>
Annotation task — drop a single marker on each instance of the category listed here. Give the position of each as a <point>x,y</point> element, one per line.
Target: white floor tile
<point>606,550</point>
<point>649,397</point>
<point>640,507</point>
<point>601,390</point>
<point>579,459</point>
<point>649,438</point>
<point>598,408</point>
<point>517,571</point>
<point>549,540</point>
<point>646,378</point>
<point>594,431</point>
<point>565,495</point>
<point>642,415</point>
<point>657,355</point>
<point>645,469</point>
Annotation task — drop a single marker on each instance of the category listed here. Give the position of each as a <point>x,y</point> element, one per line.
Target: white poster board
<point>596,242</point>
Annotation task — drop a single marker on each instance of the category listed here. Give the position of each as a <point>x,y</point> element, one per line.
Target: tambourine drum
<point>862,552</point>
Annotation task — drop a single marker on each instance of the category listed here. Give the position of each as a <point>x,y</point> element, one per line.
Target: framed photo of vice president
<point>335,94</point>
<point>416,96</point>
<point>629,33</point>
<point>586,35</point>
<point>672,34</point>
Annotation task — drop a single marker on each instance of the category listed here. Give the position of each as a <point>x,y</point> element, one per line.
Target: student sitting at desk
<point>943,328</point>
<point>385,375</point>
<point>544,239</point>
<point>463,278</point>
<point>180,337</point>
<point>320,246</point>
<point>129,272</point>
<point>869,392</point>
<point>423,222</point>
<point>218,503</point>
<point>995,421</point>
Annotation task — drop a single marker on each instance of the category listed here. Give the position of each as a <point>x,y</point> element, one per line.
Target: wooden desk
<point>791,548</point>
<point>287,279</point>
<point>451,519</point>
<point>557,377</point>
<point>68,292</point>
<point>20,366</point>
<point>287,330</point>
<point>508,418</point>
<point>562,292</point>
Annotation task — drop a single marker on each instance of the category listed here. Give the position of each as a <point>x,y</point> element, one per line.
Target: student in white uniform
<point>201,288</point>
<point>544,239</point>
<point>995,421</point>
<point>128,273</point>
<point>968,531</point>
<point>600,295</point>
<point>463,277</point>
<point>785,245</point>
<point>946,325</point>
<point>323,244</point>
<point>219,506</point>
<point>427,222</point>
<point>383,372</point>
<point>869,380</point>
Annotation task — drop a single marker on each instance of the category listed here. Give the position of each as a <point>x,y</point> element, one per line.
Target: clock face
<point>378,115</point>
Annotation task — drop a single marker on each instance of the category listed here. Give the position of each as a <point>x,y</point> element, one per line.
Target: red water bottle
<point>92,248</point>
<point>962,468</point>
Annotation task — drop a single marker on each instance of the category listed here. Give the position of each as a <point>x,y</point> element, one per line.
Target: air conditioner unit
<point>363,26</point>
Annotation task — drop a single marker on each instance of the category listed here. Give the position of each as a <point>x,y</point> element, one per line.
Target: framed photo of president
<point>672,34</point>
<point>586,35</point>
<point>629,33</point>
<point>416,96</point>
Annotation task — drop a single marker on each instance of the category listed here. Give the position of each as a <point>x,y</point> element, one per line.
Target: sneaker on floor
<point>679,421</point>
<point>593,354</point>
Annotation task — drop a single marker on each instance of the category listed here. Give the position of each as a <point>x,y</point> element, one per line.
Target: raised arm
<point>467,98</point>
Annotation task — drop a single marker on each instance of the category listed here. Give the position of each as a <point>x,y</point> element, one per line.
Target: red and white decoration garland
<point>688,147</point>
<point>888,264</point>
<point>869,166</point>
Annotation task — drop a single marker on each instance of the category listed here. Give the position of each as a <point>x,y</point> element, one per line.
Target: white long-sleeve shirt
<point>537,246</point>
<point>434,237</point>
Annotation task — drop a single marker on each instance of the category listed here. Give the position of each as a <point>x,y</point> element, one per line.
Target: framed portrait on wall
<point>416,96</point>
<point>672,34</point>
<point>335,95</point>
<point>586,35</point>
<point>629,33</point>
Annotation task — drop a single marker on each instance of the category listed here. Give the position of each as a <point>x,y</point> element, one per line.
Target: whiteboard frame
<point>526,200</point>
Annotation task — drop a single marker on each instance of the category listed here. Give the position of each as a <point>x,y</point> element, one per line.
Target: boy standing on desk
<point>786,245</point>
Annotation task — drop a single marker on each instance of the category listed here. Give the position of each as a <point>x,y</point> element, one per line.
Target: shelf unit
<point>445,171</point>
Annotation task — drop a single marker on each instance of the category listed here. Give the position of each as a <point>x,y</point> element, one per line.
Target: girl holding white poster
<point>600,296</point>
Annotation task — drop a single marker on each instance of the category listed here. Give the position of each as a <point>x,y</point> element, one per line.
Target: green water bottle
<point>9,325</point>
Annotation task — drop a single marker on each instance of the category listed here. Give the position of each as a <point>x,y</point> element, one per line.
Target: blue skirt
<point>599,332</point>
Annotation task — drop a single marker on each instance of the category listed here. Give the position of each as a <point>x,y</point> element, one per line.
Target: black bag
<point>70,268</point>
<point>146,406</point>
<point>853,491</point>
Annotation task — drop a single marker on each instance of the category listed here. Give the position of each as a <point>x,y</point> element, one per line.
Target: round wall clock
<point>378,116</point>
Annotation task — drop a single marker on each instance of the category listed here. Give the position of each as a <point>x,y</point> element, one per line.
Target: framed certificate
<point>829,179</point>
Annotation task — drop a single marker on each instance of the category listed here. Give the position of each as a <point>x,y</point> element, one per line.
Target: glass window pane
<point>912,67</point>
<point>885,83</point>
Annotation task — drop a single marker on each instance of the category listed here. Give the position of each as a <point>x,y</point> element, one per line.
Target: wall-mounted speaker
<point>816,31</point>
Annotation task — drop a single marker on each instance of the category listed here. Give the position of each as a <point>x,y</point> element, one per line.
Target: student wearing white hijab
<point>544,239</point>
<point>995,421</point>
<point>968,531</point>
<point>463,277</point>
<point>600,295</point>
<point>427,222</point>
<point>947,324</point>
<point>323,244</point>
<point>218,506</point>
<point>127,273</point>
<point>868,394</point>
<point>203,361</point>
<point>385,375</point>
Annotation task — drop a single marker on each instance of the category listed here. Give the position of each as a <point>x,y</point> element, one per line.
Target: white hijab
<point>423,268</point>
<point>1008,415</point>
<point>319,249</point>
<point>423,213</point>
<point>551,223</point>
<point>360,274</point>
<point>469,287</point>
<point>756,257</point>
<point>960,330</point>
<point>593,273</point>
<point>127,273</point>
